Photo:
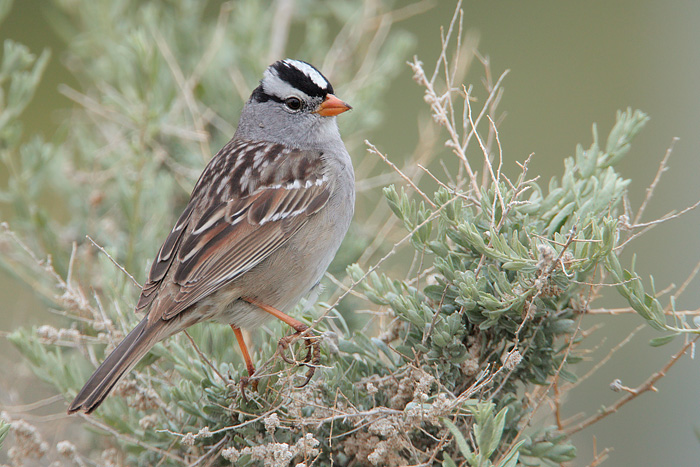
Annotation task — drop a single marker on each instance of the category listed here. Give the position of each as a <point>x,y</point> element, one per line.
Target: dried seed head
<point>513,359</point>
<point>272,422</point>
<point>616,385</point>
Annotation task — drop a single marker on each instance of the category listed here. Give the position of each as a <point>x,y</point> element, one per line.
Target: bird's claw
<point>246,381</point>
<point>312,358</point>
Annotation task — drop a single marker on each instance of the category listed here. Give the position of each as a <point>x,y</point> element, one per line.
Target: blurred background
<point>571,64</point>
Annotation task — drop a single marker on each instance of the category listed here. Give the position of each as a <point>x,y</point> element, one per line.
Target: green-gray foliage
<point>491,313</point>
<point>488,432</point>
<point>510,275</point>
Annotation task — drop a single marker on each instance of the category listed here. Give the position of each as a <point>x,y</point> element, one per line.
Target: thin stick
<point>487,160</point>
<point>667,217</point>
<point>648,385</point>
<point>629,310</point>
<point>121,268</point>
<point>34,405</point>
<point>607,358</point>
<point>650,225</point>
<point>650,191</point>
<point>131,439</point>
<point>439,182</point>
<point>688,280</point>
<point>204,357</point>
<point>186,87</point>
<point>489,99</point>
<point>374,150</point>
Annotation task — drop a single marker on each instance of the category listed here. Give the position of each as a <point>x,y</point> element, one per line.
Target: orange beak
<point>332,106</point>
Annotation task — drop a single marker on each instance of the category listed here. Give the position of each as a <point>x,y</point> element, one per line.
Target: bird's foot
<point>313,355</point>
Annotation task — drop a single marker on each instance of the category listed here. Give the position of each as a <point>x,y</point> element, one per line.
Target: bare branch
<point>663,167</point>
<point>633,393</point>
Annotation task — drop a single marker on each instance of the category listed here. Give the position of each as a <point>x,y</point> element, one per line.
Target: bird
<point>263,223</point>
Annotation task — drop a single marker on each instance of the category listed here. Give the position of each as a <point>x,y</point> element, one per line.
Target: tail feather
<point>122,359</point>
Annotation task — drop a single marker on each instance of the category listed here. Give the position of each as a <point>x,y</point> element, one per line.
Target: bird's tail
<point>122,359</point>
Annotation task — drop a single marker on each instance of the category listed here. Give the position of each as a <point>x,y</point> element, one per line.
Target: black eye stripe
<point>260,95</point>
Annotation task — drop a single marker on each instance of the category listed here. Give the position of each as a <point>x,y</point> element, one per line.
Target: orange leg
<point>314,354</point>
<point>244,350</point>
<point>248,363</point>
<point>297,325</point>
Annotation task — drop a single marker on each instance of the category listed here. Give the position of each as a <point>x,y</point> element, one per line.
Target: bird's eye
<point>293,103</point>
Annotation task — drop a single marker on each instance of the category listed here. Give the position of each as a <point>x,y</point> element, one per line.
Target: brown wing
<point>166,254</point>
<point>248,202</point>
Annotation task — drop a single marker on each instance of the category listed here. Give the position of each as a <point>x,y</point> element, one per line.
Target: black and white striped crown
<point>289,77</point>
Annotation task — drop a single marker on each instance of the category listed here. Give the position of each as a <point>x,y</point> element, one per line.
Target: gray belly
<point>288,274</point>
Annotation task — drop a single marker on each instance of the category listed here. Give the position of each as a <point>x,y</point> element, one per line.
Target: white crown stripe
<point>276,86</point>
<point>309,71</point>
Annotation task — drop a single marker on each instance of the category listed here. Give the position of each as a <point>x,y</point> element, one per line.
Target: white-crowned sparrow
<point>264,222</point>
